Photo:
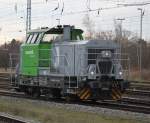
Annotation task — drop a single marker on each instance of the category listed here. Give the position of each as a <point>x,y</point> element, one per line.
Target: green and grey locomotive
<point>58,62</point>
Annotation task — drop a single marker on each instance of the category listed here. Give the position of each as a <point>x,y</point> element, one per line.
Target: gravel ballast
<point>81,108</point>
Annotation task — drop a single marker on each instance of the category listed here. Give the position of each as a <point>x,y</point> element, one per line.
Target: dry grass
<point>136,76</point>
<point>7,71</point>
<point>3,70</point>
<point>47,114</point>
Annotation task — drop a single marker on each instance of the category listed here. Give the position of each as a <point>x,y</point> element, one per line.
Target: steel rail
<point>10,119</point>
<point>127,104</point>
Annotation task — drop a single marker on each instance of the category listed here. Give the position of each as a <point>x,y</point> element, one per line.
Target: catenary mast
<point>28,18</point>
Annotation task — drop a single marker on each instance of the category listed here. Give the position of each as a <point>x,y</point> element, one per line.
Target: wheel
<point>94,100</point>
<point>56,93</point>
<point>36,93</point>
<point>68,99</point>
<point>72,98</point>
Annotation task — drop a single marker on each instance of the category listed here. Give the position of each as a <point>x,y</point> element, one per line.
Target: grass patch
<point>47,114</point>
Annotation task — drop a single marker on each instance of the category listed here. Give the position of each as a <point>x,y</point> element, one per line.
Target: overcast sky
<point>13,15</point>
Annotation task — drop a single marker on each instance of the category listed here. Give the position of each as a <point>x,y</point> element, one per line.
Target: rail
<point>10,119</point>
<point>127,104</point>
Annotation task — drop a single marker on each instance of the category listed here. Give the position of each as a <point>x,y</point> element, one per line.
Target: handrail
<point>11,63</point>
<point>65,58</point>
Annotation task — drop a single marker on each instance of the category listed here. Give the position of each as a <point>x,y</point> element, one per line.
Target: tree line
<point>129,41</point>
<point>9,51</point>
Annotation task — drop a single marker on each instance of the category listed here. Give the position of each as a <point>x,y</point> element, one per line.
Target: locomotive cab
<point>36,52</point>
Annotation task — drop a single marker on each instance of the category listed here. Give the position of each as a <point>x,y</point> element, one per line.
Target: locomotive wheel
<point>17,89</point>
<point>28,91</point>
<point>71,98</point>
<point>36,92</point>
<point>94,100</point>
<point>68,98</point>
<point>32,92</point>
<point>56,93</point>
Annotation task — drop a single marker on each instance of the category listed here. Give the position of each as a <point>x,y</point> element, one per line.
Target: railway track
<point>5,81</point>
<point>10,119</point>
<point>127,104</point>
<point>139,89</point>
<point>140,85</point>
<point>138,92</point>
<point>4,77</point>
<point>137,101</point>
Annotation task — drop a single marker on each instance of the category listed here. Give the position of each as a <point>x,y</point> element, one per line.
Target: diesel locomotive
<point>58,62</point>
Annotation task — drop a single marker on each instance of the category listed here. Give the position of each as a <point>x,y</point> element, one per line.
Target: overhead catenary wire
<point>78,12</point>
<point>63,6</point>
<point>60,11</point>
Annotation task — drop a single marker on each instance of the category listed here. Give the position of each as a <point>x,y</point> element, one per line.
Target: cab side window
<point>34,39</point>
<point>51,37</point>
<point>29,39</point>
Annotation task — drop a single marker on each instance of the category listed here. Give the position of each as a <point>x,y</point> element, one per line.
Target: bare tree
<point>118,31</point>
<point>7,48</point>
<point>89,24</point>
<point>105,35</point>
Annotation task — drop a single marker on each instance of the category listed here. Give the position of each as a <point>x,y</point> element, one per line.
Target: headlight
<point>120,73</point>
<point>106,54</point>
<point>92,73</point>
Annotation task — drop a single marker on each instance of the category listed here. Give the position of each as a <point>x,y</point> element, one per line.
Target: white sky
<point>11,22</point>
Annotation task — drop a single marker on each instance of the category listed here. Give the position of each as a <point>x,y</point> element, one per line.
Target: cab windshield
<point>51,37</point>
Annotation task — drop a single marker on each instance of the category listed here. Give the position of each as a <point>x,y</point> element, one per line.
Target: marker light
<point>106,54</point>
<point>92,73</point>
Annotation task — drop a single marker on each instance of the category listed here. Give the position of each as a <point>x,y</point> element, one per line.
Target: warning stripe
<point>118,96</point>
<point>85,94</point>
<point>89,94</point>
<point>115,94</point>
<point>116,91</point>
<point>119,92</point>
<point>114,97</point>
<point>82,91</point>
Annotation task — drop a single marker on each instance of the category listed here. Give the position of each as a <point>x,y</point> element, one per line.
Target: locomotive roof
<point>54,30</point>
<point>38,30</point>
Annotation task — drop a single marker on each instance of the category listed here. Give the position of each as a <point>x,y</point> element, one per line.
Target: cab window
<point>29,39</point>
<point>38,39</point>
<point>51,37</point>
<point>34,39</point>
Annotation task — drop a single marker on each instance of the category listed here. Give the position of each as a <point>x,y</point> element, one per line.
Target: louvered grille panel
<point>105,67</point>
<point>92,55</point>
